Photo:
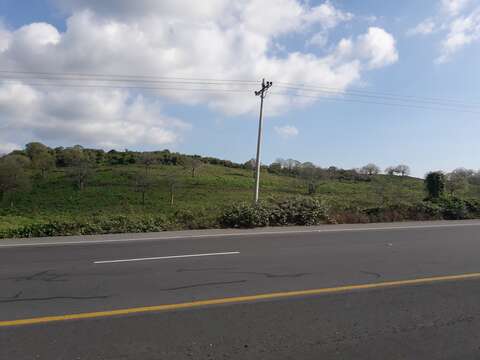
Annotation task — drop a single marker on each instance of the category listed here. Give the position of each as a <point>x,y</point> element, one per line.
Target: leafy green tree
<point>41,157</point>
<point>435,184</point>
<point>80,165</point>
<point>81,172</point>
<point>34,148</point>
<point>13,175</point>
<point>44,162</point>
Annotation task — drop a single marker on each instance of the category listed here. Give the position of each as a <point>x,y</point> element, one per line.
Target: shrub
<point>454,208</point>
<point>294,211</point>
<point>117,224</point>
<point>245,215</point>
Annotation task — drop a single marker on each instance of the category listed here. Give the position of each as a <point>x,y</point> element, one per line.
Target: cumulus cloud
<point>219,39</point>
<point>110,119</point>
<point>377,47</point>
<point>286,131</point>
<point>458,23</point>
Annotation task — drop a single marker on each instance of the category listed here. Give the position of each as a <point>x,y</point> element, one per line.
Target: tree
<point>147,160</point>
<point>80,165</point>
<point>456,181</point>
<point>13,175</point>
<point>390,170</point>
<point>308,171</point>
<point>143,183</point>
<point>44,162</point>
<point>403,170</point>
<point>192,163</point>
<point>41,157</point>
<point>370,170</point>
<point>173,182</point>
<point>80,173</point>
<point>435,184</point>
<point>292,164</point>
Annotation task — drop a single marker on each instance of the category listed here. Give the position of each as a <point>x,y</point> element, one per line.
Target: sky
<point>418,50</point>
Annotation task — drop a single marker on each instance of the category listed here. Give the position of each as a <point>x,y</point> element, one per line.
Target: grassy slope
<point>109,192</point>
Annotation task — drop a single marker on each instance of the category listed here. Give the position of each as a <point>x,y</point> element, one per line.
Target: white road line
<point>259,233</point>
<point>166,257</point>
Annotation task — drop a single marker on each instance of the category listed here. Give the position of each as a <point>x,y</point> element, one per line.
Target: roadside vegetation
<point>67,191</point>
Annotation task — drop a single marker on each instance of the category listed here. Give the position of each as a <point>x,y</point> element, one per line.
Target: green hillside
<point>175,194</point>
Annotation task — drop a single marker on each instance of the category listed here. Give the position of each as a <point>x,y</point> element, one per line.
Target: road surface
<point>381,291</point>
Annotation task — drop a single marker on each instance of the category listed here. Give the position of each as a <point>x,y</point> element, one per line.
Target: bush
<point>245,215</point>
<point>118,224</point>
<point>454,208</point>
<point>295,211</point>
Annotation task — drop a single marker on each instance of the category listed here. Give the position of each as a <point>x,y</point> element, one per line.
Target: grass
<point>110,192</point>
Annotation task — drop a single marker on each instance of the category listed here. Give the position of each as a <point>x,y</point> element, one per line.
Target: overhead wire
<point>218,85</point>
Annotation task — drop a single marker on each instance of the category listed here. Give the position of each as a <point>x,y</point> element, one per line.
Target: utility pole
<point>265,86</point>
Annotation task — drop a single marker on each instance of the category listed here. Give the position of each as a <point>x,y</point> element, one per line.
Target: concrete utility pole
<point>265,86</point>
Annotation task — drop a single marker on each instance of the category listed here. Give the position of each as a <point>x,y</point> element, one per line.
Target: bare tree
<point>456,181</point>
<point>308,172</point>
<point>192,163</point>
<point>370,169</point>
<point>143,183</point>
<point>148,160</point>
<point>403,170</point>
<point>390,170</point>
<point>291,164</point>
<point>173,181</point>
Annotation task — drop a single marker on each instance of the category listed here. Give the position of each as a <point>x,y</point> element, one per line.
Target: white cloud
<point>109,119</point>
<point>424,28</point>
<point>377,47</point>
<point>225,39</point>
<point>453,7</point>
<point>463,31</point>
<point>286,131</point>
<point>458,23</point>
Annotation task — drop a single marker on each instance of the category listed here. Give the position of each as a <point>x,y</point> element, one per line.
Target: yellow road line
<point>238,299</point>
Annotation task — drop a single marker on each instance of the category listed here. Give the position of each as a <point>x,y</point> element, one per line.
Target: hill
<point>143,194</point>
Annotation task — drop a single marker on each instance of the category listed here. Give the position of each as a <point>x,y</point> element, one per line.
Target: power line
<point>187,89</point>
<point>101,80</point>
<point>143,82</point>
<point>377,103</point>
<point>124,76</point>
<point>301,86</point>
<point>390,98</point>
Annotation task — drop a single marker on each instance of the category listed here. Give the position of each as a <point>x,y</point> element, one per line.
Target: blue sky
<point>337,133</point>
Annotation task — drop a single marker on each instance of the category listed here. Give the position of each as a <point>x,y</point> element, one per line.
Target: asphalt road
<point>398,299</point>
